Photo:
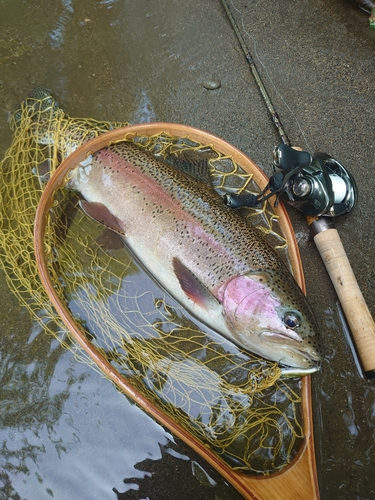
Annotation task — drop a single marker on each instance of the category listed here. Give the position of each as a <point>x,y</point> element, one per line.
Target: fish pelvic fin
<point>100,213</point>
<point>193,287</point>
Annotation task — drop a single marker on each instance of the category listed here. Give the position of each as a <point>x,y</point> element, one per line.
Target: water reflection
<point>66,432</point>
<point>349,418</point>
<point>145,111</point>
<point>108,3</point>
<point>136,488</point>
<point>62,412</point>
<point>57,35</point>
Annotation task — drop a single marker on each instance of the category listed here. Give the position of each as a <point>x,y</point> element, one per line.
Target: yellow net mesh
<point>232,401</point>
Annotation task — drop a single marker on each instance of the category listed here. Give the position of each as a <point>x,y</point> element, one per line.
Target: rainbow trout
<point>204,254</point>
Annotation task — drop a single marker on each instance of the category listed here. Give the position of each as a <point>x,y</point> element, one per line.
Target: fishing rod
<point>322,188</point>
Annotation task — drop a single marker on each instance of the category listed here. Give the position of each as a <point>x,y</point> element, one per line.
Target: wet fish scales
<point>203,253</point>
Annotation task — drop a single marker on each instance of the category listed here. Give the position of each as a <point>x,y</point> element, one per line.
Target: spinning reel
<point>314,184</point>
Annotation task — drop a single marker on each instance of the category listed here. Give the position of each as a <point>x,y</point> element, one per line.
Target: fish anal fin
<point>193,287</point>
<point>100,213</point>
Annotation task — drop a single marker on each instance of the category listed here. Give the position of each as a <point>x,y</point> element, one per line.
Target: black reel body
<point>314,184</point>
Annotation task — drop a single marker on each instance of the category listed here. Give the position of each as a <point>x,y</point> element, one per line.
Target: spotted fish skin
<point>209,258</point>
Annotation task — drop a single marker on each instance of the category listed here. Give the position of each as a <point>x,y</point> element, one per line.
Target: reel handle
<point>357,314</point>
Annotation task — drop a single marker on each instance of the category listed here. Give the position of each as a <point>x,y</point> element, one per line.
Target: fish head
<point>268,314</point>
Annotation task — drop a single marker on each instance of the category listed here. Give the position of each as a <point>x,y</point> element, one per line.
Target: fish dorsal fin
<point>193,163</point>
<point>193,287</point>
<point>100,213</point>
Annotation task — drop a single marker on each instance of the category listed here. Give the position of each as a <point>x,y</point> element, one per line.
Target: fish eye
<point>291,320</point>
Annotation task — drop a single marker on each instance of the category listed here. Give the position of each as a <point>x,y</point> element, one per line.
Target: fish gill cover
<point>229,399</point>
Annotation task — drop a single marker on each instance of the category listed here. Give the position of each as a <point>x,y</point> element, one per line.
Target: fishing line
<point>257,77</point>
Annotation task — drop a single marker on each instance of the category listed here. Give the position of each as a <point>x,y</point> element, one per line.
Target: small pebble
<point>213,84</point>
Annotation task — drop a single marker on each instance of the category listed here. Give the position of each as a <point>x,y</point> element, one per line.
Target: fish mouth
<point>288,343</point>
<point>299,358</point>
<point>312,356</point>
<point>288,336</point>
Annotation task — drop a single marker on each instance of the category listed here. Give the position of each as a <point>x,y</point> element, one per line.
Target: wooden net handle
<point>358,316</point>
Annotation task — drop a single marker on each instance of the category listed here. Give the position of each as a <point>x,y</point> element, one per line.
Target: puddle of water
<point>66,432</point>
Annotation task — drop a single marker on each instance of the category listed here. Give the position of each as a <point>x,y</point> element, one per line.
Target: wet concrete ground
<point>146,61</point>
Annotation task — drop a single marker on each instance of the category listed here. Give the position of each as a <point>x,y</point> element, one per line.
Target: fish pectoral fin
<point>100,213</point>
<point>193,287</point>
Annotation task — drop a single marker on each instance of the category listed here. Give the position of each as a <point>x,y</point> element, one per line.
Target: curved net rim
<point>58,179</point>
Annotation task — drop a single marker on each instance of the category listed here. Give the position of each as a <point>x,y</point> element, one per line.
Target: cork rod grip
<point>358,316</point>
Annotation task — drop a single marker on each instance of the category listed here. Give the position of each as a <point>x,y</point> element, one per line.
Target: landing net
<point>232,401</point>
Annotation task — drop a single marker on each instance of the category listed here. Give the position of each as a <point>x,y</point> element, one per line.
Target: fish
<point>205,255</point>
